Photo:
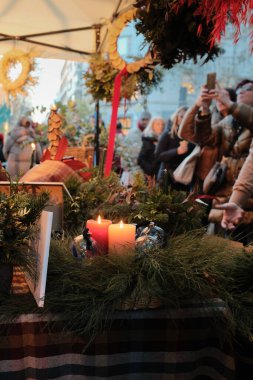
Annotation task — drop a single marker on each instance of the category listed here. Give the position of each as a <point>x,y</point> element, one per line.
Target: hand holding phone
<point>211,81</point>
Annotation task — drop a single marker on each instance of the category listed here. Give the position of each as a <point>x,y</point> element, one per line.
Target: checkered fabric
<point>49,171</point>
<point>183,344</point>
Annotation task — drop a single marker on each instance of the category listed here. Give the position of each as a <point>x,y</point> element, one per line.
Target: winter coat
<point>18,151</point>
<point>166,151</point>
<point>243,187</point>
<point>232,141</point>
<point>146,159</point>
<point>166,154</point>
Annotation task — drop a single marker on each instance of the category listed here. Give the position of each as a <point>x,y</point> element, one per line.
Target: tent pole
<point>97,127</point>
<point>97,132</point>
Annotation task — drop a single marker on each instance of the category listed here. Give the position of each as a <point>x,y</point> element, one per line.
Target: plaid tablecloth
<point>183,344</point>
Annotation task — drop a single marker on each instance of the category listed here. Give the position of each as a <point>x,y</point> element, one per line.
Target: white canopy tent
<point>65,29</point>
<point>60,29</point>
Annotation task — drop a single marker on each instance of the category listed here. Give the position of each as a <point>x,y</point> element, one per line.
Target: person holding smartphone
<point>233,210</point>
<point>229,138</point>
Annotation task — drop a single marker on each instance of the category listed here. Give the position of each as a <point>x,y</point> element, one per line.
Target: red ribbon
<point>112,132</point>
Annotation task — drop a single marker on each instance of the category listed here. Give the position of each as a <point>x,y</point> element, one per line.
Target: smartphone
<point>210,81</point>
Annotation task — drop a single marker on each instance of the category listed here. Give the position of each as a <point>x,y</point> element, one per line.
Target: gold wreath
<point>114,32</point>
<point>12,57</point>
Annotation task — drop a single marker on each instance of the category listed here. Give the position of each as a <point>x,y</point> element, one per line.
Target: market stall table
<point>183,344</point>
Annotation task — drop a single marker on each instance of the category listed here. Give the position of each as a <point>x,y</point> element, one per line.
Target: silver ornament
<point>150,237</point>
<point>83,246</point>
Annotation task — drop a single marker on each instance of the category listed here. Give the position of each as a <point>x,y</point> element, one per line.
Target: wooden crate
<point>84,154</point>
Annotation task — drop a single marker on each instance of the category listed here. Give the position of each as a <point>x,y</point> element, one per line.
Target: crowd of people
<point>220,122</point>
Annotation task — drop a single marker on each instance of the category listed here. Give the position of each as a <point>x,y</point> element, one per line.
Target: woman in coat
<point>171,150</point>
<point>146,159</point>
<point>18,150</point>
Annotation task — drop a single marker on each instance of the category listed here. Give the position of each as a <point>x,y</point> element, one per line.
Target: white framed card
<point>41,250</point>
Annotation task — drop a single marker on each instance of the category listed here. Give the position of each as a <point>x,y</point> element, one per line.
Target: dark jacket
<point>167,156</point>
<point>146,159</point>
<point>166,151</point>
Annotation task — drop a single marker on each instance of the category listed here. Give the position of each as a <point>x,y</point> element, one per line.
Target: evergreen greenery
<point>99,80</point>
<point>18,214</point>
<point>85,293</point>
<point>109,199</point>
<point>86,196</point>
<point>175,32</point>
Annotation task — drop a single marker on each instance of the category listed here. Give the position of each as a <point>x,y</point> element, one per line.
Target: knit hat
<point>145,115</point>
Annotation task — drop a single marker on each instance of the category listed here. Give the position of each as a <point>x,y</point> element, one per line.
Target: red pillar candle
<point>99,232</point>
<point>121,238</point>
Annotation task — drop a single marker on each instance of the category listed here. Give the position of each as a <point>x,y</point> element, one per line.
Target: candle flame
<point>33,146</point>
<point>99,219</point>
<point>121,224</point>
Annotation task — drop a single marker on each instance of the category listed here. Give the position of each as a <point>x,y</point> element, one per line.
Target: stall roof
<point>63,29</point>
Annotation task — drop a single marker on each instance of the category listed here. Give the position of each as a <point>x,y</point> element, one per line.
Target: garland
<point>192,267</point>
<point>107,197</point>
<point>99,80</point>
<point>17,86</point>
<point>175,33</point>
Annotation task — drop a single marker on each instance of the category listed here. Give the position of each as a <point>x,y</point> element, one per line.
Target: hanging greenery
<point>175,32</point>
<point>99,80</point>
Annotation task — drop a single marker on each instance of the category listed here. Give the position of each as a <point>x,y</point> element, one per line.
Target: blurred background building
<point>180,85</point>
<point>63,81</point>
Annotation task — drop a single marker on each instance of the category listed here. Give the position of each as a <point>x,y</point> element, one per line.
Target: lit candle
<point>99,232</point>
<point>121,238</point>
<point>33,146</point>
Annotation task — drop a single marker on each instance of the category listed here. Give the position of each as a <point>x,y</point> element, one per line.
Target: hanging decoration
<point>99,80</point>
<point>175,32</point>
<point>220,13</point>
<point>114,33</point>
<point>113,123</point>
<point>147,63</point>
<point>11,60</point>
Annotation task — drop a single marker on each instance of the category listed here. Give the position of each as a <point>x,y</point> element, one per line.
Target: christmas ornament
<point>150,237</point>
<point>84,245</point>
